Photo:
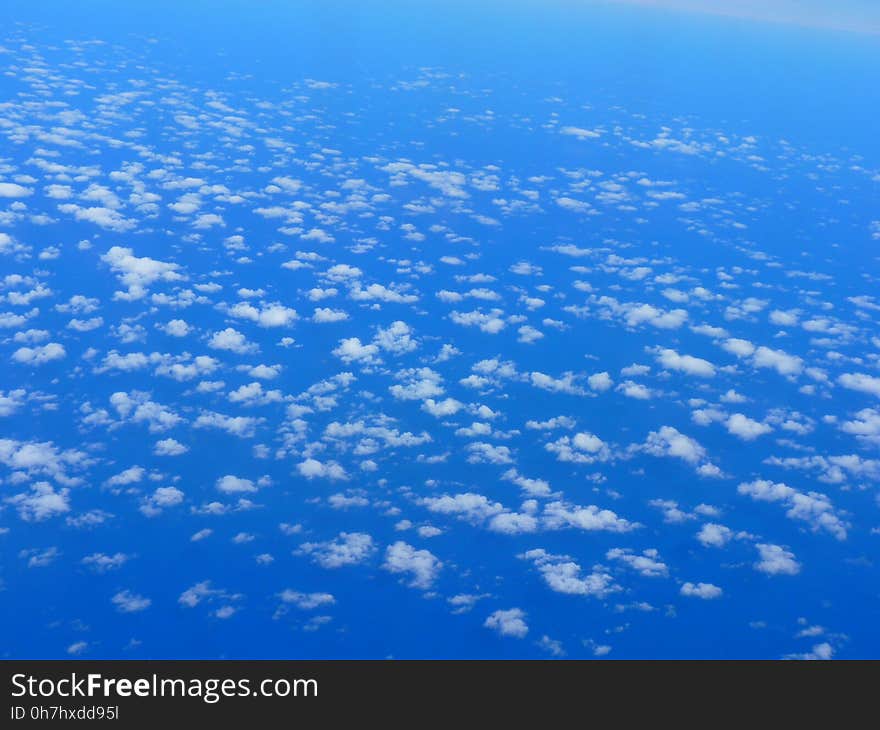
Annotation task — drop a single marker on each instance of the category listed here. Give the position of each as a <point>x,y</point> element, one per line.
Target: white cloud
<point>714,535</point>
<point>600,381</point>
<point>325,315</point>
<point>39,355</point>
<point>688,364</point>
<point>564,384</point>
<point>12,190</point>
<point>582,448</point>
<point>265,315</point>
<point>396,338</point>
<point>312,468</point>
<point>176,328</point>
<point>443,408</point>
<point>814,508</point>
<point>706,591</point>
<point>128,602</point>
<point>352,349</point>
<point>138,273</point>
<point>861,382</point>
<point>563,575</point>
<point>137,407</point>
<point>421,565</point>
<point>511,622</point>
<point>745,428</point>
<point>169,447</point>
<point>646,563</point>
<point>776,560</point>
<point>468,505</point>
<point>240,426</point>
<point>778,360</point>
<point>230,484</point>
<point>231,340</point>
<point>669,441</point>
<point>558,515</point>
<point>349,548</point>
<point>307,601</point>
<point>41,503</point>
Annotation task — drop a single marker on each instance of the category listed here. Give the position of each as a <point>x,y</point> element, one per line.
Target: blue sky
<point>476,331</point>
<point>859,16</point>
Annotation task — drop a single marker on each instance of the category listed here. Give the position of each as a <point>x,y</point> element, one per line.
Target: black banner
<point>143,693</point>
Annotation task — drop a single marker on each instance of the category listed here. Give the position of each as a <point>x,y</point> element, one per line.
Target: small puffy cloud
<point>352,350</point>
<point>745,428</point>
<point>240,426</point>
<point>813,508</point>
<point>491,323</point>
<point>160,499</point>
<point>865,426</point>
<point>13,190</point>
<point>559,515</point>
<point>582,448</point>
<point>253,394</point>
<point>230,484</point>
<point>647,563</point>
<point>738,347</point>
<point>138,273</point>
<point>41,502</point>
<point>324,315</point>
<point>169,447</point>
<point>312,468</point>
<point>421,565</point>
<point>467,505</point>
<point>100,215</point>
<point>510,622</point>
<point>636,315</point>
<point>381,293</point>
<point>11,401</point>
<point>176,328</point>
<point>396,338</point>
<point>714,535</point>
<point>264,372</point>
<point>778,360</point>
<point>129,602</point>
<point>39,355</point>
<point>783,318</point>
<point>136,407</point>
<point>265,315</point>
<point>563,575</point>
<point>776,560</point>
<point>349,548</point>
<point>231,340</point>
<point>670,442</point>
<point>564,384</point>
<point>706,591</point>
<point>42,457</point>
<point>418,384</point>
<point>600,382</point>
<point>443,408</point>
<point>671,360</point>
<point>861,382</point>
<point>635,390</point>
<point>823,651</point>
<point>481,452</point>
<point>529,335</point>
<point>306,601</point>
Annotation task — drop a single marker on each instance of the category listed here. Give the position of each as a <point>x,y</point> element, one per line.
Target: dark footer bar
<point>142,693</point>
